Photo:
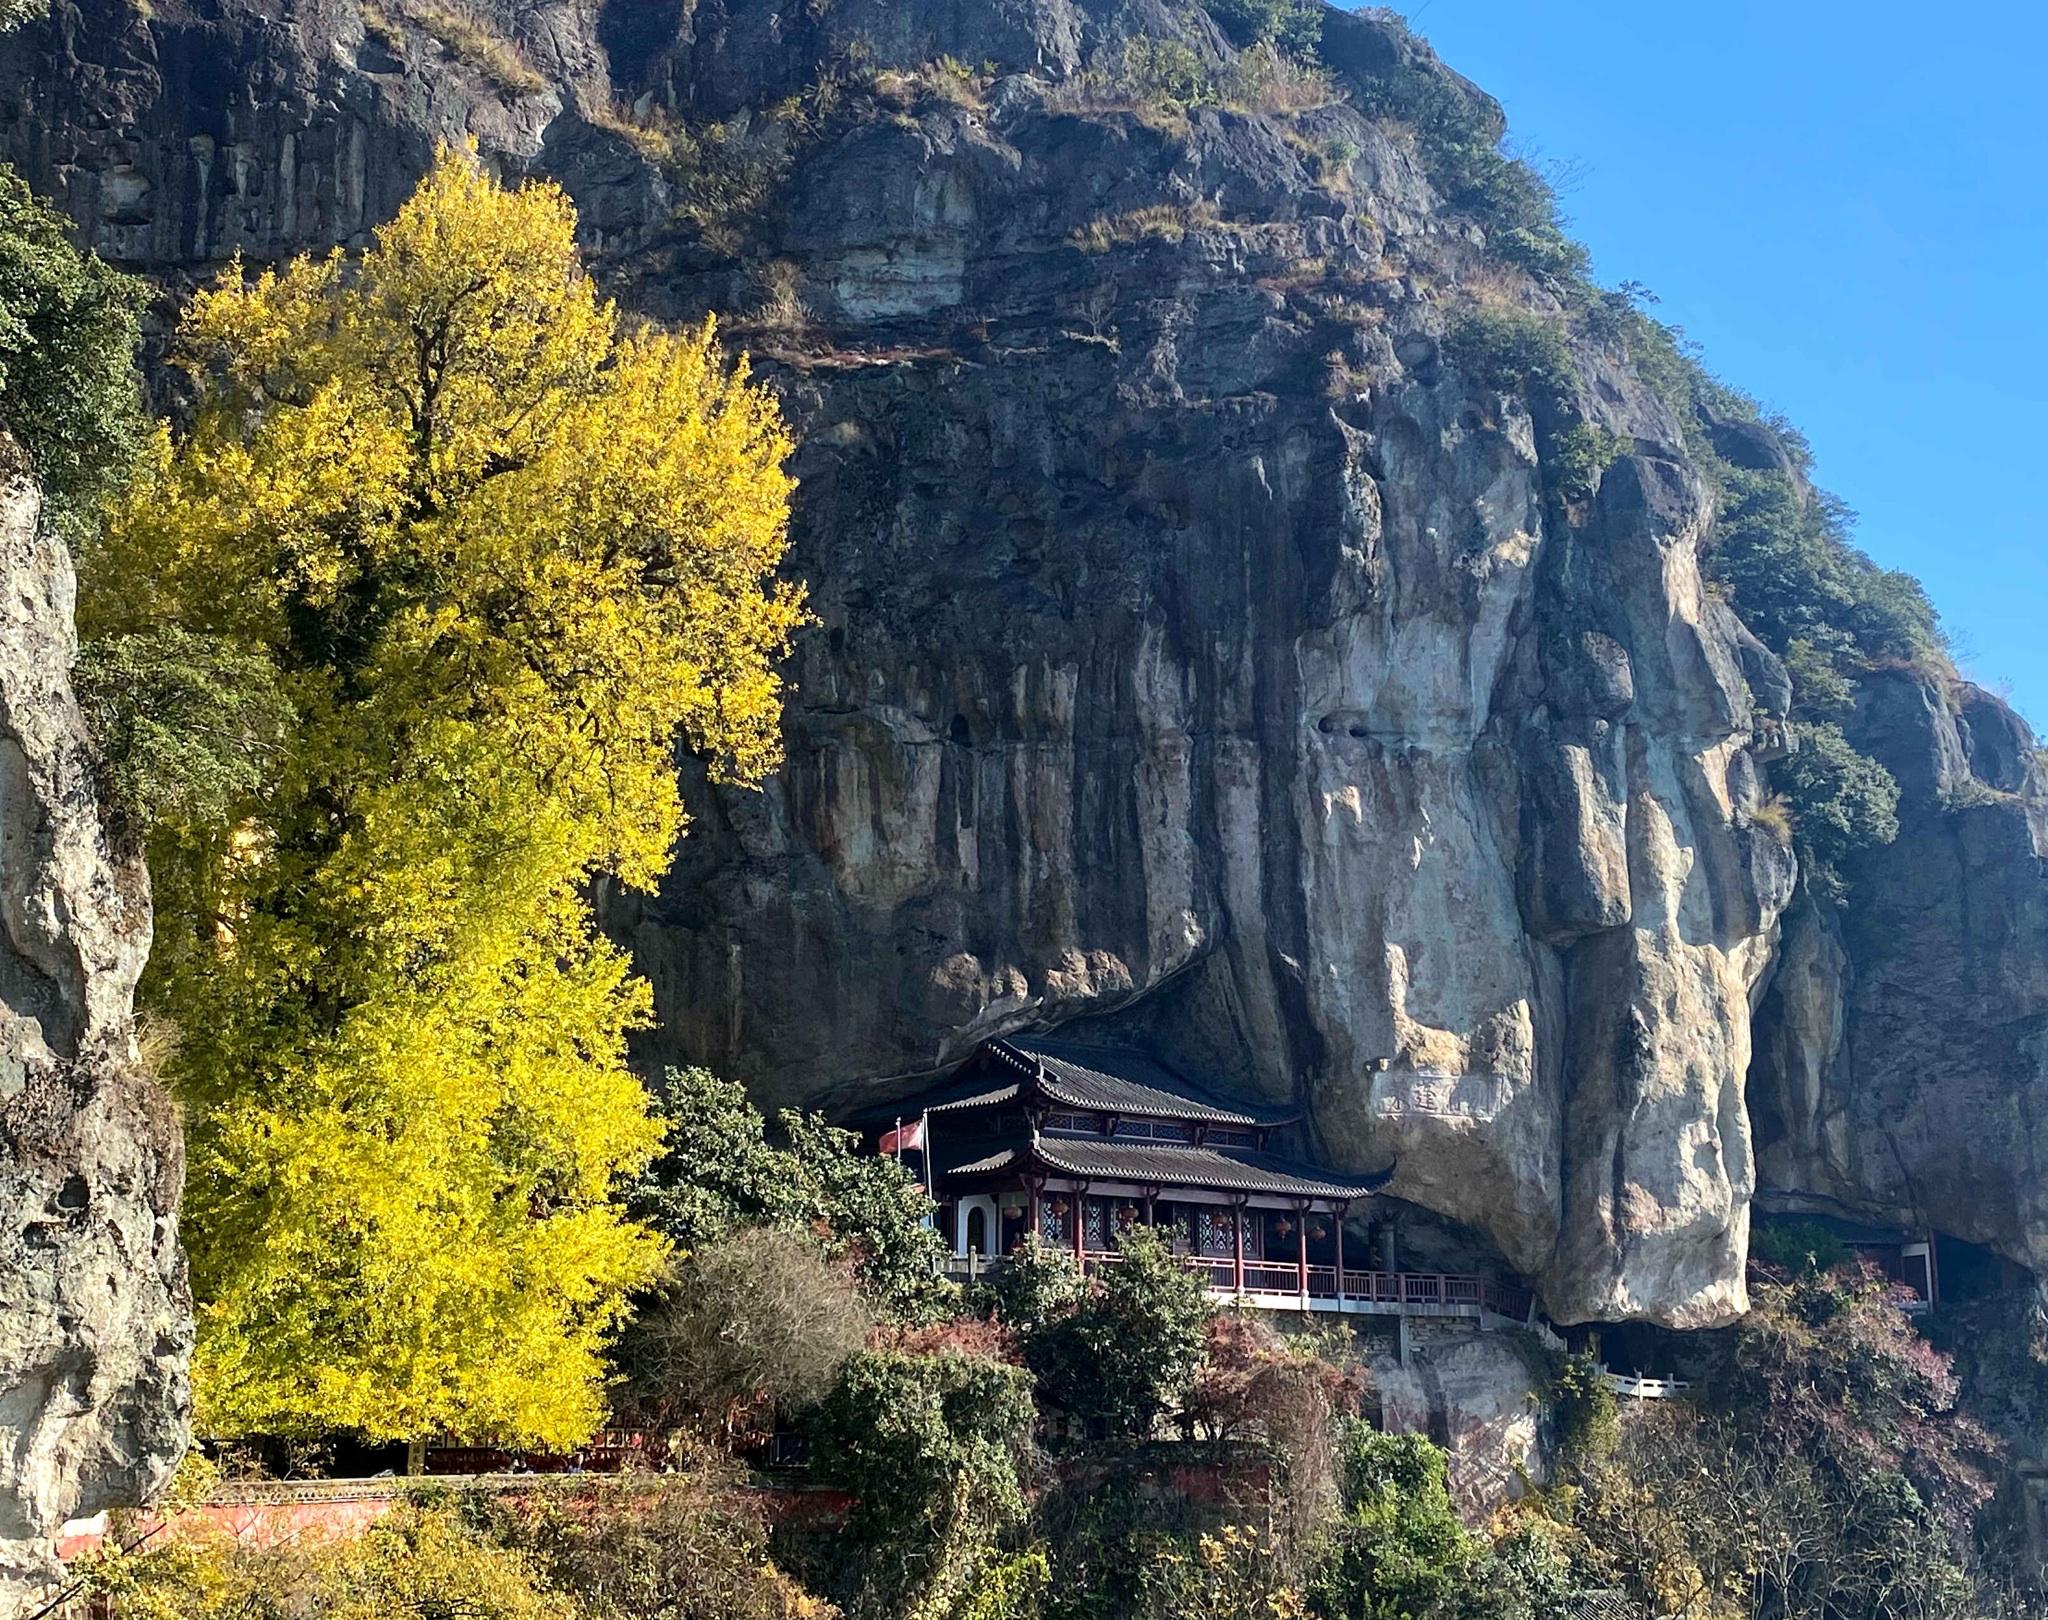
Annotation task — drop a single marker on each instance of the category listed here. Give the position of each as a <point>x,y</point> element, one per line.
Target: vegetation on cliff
<point>1823,1469</point>
<point>390,647</point>
<point>1782,551</point>
<point>491,553</point>
<point>69,394</point>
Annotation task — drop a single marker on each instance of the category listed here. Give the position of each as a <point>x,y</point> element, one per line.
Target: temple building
<point>1078,1144</point>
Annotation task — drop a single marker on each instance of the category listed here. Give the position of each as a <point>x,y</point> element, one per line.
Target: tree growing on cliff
<point>755,1322</point>
<point>1127,1350</point>
<point>722,1166</point>
<point>931,1448</point>
<point>1398,1549</point>
<point>500,553</point>
<point>68,390</point>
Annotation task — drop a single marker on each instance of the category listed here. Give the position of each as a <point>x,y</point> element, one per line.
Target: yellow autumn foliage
<point>502,553</point>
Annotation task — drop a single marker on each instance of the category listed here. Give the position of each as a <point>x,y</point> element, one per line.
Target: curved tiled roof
<point>1220,1169</point>
<point>1125,1083</point>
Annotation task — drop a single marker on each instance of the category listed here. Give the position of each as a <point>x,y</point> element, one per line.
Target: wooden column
<point>1037,1215</point>
<point>1237,1244</point>
<point>1338,1210</point>
<point>1081,1225</point>
<point>1301,1209</point>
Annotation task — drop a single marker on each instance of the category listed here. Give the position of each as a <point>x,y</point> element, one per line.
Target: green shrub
<point>719,1169</point>
<point>1821,689</point>
<point>1038,1284</point>
<point>1167,70</point>
<point>1459,138</point>
<point>1797,1246</point>
<point>1292,25</point>
<point>1842,801</point>
<point>68,388</point>
<point>1578,456</point>
<point>1786,555</point>
<point>1519,353</point>
<point>931,1448</point>
<point>1126,1354</point>
<point>1585,1415</point>
<point>1515,352</point>
<point>1399,1551</point>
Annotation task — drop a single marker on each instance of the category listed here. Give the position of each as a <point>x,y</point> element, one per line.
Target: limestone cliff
<point>1210,645</point>
<point>1903,1073</point>
<point>95,1322</point>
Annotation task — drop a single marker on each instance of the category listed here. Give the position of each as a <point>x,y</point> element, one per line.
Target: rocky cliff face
<point>1208,648</point>
<point>95,1322</point>
<point>1903,1035</point>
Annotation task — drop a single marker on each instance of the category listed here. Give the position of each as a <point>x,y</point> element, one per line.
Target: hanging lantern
<point>1283,1226</point>
<point>1317,1231</point>
<point>1013,1206</point>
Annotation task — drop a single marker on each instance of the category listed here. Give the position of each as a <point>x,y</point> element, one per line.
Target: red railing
<point>1416,1289</point>
<point>1507,1299</point>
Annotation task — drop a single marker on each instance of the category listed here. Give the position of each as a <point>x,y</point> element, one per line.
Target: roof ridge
<point>1097,1060</point>
<point>1060,1154</point>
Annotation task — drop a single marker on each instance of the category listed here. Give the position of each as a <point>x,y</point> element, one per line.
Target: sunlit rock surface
<point>95,1321</point>
<point>1200,652</point>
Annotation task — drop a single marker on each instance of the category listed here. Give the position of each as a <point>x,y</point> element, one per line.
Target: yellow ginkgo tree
<point>499,552</point>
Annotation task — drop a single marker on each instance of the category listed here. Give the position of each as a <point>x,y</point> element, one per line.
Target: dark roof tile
<point>1220,1169</point>
<point>1129,1084</point>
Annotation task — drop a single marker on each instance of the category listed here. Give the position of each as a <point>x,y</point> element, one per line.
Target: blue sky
<point>1847,205</point>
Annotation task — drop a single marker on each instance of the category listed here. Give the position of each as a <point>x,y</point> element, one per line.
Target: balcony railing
<point>1376,1292</point>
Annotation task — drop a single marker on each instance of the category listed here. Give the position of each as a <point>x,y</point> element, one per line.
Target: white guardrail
<point>1644,1389</point>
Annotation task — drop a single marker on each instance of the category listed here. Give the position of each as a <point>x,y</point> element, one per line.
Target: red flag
<point>905,1137</point>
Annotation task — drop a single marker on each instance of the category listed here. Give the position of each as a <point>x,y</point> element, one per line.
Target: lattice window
<point>1054,1221</point>
<point>1096,1233</point>
<point>1213,1232</point>
<point>1155,1130</point>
